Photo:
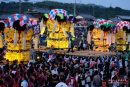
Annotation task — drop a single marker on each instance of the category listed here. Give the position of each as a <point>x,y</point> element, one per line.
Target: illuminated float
<point>59,29</point>
<point>18,37</point>
<point>122,35</point>
<point>102,35</point>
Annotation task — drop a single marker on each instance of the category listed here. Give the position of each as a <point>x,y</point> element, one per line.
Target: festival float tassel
<point>15,38</point>
<point>63,29</point>
<point>102,36</point>
<point>36,41</point>
<point>42,27</point>
<point>89,38</point>
<point>1,41</point>
<point>109,38</point>
<point>24,40</point>
<point>55,25</point>
<point>72,30</point>
<point>113,38</point>
<point>128,37</point>
<point>124,38</point>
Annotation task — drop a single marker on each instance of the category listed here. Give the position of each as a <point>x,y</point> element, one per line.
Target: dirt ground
<point>80,53</point>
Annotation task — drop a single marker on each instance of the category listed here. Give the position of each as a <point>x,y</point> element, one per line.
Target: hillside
<point>97,11</point>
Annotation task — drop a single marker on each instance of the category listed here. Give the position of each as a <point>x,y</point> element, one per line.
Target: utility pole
<point>19,6</point>
<point>75,8</point>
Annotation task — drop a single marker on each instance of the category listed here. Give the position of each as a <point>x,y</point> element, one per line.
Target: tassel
<point>113,37</point>
<point>1,41</point>
<point>63,29</point>
<point>24,40</point>
<point>128,37</point>
<point>72,30</point>
<point>109,38</point>
<point>42,27</point>
<point>41,24</point>
<point>36,41</point>
<point>102,36</point>
<point>124,38</point>
<point>42,30</point>
<point>15,38</point>
<point>55,25</point>
<point>89,38</point>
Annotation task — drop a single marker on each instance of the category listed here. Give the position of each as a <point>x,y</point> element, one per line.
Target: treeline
<point>95,10</point>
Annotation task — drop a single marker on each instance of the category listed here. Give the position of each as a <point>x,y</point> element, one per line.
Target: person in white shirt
<point>54,71</point>
<point>115,84</point>
<point>24,83</point>
<point>61,83</point>
<point>120,63</point>
<point>88,80</point>
<point>1,65</point>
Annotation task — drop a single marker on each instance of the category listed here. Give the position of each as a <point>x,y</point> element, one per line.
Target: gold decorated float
<point>122,36</point>
<point>121,40</point>
<point>58,38</point>
<point>58,28</point>
<point>101,35</point>
<point>100,40</point>
<point>18,51</point>
<point>18,38</point>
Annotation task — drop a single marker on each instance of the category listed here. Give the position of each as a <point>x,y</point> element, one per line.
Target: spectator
<point>73,71</point>
<point>24,82</point>
<point>61,83</point>
<point>97,80</point>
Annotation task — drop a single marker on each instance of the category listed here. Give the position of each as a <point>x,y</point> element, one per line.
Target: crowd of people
<point>53,70</point>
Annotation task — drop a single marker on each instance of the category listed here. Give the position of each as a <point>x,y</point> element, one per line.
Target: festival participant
<point>97,80</point>
<point>61,83</point>
<point>76,71</point>
<point>70,45</point>
<point>104,83</point>
<point>71,81</point>
<point>2,83</point>
<point>88,79</point>
<point>80,46</point>
<point>24,82</point>
<point>126,57</point>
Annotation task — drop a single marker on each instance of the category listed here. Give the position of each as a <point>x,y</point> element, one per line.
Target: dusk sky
<point>125,4</point>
